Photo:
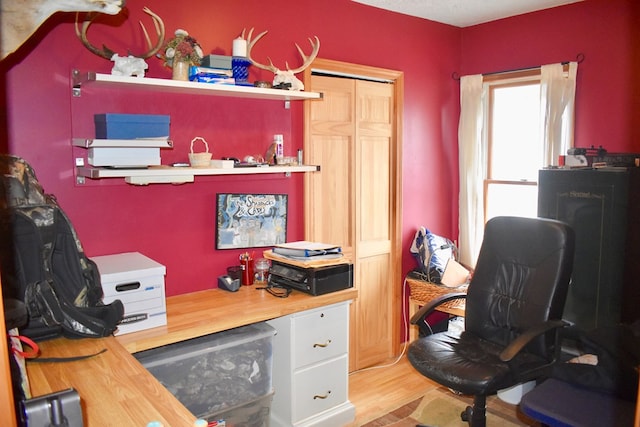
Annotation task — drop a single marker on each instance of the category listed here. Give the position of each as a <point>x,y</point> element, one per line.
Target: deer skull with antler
<point>20,19</point>
<point>283,76</point>
<point>126,65</point>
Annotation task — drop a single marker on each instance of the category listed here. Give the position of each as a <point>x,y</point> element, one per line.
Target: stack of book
<point>306,253</point>
<point>211,75</point>
<point>213,69</point>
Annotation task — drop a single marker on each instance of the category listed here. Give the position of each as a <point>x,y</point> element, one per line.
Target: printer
<point>312,280</point>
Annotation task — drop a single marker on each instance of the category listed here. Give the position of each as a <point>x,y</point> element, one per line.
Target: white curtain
<point>557,97</point>
<point>472,164</point>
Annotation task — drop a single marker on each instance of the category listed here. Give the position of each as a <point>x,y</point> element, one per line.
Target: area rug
<point>442,408</point>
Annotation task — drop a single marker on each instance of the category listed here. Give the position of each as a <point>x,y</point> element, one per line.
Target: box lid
<point>125,266</point>
<point>132,118</point>
<point>217,61</point>
<point>150,142</point>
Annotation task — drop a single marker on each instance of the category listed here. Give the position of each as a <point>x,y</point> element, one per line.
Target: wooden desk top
<point>115,390</point>
<point>114,387</point>
<point>207,312</point>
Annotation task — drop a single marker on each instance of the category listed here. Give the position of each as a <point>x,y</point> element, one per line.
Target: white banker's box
<point>137,281</point>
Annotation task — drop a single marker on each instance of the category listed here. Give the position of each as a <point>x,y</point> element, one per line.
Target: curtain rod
<point>579,59</point>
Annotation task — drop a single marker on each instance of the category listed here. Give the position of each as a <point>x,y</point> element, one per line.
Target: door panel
<point>331,191</point>
<point>374,323</point>
<point>330,195</point>
<point>374,177</point>
<point>374,306</point>
<point>350,201</point>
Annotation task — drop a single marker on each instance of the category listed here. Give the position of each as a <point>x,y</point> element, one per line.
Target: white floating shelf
<point>193,88</point>
<point>178,175</point>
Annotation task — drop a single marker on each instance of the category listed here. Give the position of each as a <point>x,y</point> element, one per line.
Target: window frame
<point>491,83</point>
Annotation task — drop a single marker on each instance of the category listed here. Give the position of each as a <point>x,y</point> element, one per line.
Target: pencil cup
<point>247,271</point>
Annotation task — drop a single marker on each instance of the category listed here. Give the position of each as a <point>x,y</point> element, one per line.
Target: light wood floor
<point>376,392</point>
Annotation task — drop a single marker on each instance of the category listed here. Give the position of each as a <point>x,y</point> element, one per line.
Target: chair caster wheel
<point>467,414</point>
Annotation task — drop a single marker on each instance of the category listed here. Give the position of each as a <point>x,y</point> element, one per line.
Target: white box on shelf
<point>137,281</point>
<point>124,157</point>
<point>222,164</point>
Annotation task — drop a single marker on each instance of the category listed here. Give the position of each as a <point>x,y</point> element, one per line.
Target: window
<point>515,149</point>
<point>499,153</point>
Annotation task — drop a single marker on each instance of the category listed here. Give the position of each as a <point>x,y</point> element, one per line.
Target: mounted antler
<point>20,19</point>
<point>107,53</point>
<point>283,76</point>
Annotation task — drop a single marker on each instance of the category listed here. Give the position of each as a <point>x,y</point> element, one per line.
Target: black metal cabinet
<point>602,206</point>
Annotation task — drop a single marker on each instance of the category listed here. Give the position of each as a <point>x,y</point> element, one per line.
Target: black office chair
<point>513,313</point>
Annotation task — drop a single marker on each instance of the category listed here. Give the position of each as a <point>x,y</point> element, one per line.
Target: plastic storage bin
<point>251,414</point>
<point>216,372</point>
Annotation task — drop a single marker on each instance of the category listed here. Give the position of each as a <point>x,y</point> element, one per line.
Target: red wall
<point>175,224</point>
<point>606,32</point>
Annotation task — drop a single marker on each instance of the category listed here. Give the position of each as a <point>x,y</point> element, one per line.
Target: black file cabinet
<point>603,207</point>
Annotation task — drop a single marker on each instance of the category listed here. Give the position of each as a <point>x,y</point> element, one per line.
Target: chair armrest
<point>522,340</point>
<point>428,308</point>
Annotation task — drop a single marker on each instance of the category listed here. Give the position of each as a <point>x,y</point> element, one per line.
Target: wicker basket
<point>200,160</point>
<point>424,292</point>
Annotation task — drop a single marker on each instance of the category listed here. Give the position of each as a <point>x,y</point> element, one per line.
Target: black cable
<point>64,359</point>
<point>276,290</point>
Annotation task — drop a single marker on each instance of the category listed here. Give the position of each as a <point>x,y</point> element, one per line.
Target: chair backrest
<point>521,279</point>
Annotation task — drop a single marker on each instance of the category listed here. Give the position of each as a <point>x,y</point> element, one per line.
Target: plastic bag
<point>432,252</point>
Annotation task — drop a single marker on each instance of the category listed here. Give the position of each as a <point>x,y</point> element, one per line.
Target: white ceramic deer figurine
<point>19,19</point>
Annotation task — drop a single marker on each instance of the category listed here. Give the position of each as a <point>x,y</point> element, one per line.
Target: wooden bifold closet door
<point>353,200</point>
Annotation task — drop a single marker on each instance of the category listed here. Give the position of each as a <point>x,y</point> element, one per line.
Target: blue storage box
<point>131,126</point>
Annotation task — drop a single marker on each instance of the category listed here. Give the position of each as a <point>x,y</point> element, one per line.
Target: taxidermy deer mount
<point>19,19</point>
<point>284,76</point>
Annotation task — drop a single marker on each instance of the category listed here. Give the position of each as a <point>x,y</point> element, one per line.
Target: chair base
<point>476,415</point>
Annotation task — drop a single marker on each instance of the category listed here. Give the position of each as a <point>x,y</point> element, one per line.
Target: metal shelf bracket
<point>76,86</point>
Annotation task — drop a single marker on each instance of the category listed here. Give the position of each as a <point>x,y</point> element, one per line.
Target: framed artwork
<point>250,220</point>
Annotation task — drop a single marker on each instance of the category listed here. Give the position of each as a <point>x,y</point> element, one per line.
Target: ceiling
<point>464,13</point>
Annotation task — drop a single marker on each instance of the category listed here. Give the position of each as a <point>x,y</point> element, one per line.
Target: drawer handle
<point>325,396</point>
<point>123,287</point>
<point>322,345</point>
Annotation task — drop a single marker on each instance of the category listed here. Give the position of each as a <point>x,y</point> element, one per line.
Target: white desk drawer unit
<point>311,368</point>
<point>320,335</point>
<point>320,388</point>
